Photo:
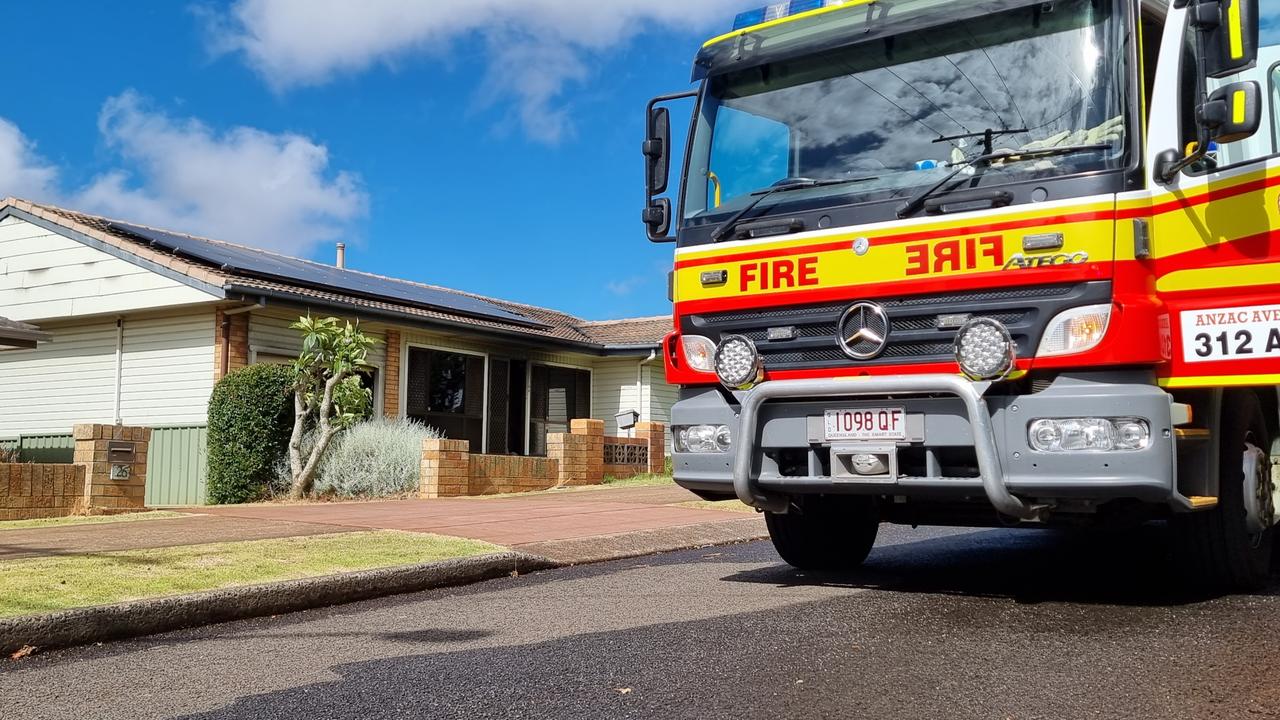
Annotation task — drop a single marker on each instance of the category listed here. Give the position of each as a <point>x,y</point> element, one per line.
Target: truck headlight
<point>1062,435</point>
<point>1075,330</point>
<point>738,363</point>
<point>701,438</point>
<point>699,352</point>
<point>984,349</point>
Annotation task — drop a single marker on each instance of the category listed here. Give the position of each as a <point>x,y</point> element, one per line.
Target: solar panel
<point>293,270</point>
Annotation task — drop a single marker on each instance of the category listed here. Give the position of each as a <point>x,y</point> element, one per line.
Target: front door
<point>557,396</point>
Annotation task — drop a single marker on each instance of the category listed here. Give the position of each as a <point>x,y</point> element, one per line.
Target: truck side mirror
<point>1229,29</point>
<point>657,166</point>
<point>657,149</point>
<point>1233,112</point>
<point>657,216</point>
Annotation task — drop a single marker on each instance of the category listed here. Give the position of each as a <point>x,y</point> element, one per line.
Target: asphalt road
<point>940,624</point>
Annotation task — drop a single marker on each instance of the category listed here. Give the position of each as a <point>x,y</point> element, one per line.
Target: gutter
<point>644,411</point>
<point>526,339</point>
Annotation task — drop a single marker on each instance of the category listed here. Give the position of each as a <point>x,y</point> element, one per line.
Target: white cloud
<point>274,191</point>
<point>22,171</point>
<point>536,47</point>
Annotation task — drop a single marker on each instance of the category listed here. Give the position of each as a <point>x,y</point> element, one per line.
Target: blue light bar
<point>777,11</point>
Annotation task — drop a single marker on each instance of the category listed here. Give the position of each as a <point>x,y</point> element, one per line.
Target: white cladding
<point>45,275</point>
<point>614,390</point>
<point>166,375</point>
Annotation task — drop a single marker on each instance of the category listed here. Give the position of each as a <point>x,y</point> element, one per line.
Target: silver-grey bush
<point>375,458</point>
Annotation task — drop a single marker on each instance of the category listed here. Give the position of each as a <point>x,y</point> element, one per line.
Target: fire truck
<point>981,263</point>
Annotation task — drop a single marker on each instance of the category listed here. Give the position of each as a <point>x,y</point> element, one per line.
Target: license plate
<point>866,424</point>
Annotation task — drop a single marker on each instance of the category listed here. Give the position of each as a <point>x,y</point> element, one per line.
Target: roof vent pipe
<point>342,255</point>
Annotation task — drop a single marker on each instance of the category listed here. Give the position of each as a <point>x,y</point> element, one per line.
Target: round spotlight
<point>984,349</point>
<point>738,364</point>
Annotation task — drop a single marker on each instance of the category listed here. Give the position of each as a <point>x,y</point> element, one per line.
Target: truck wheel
<point>828,533</point>
<point>1227,548</point>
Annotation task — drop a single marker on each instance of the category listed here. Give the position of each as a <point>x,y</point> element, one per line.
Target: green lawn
<point>45,584</point>
<point>87,520</point>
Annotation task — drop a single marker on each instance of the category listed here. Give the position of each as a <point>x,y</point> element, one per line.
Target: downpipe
<point>970,393</point>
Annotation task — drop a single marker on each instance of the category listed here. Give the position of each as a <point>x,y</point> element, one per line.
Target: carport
<point>16,335</point>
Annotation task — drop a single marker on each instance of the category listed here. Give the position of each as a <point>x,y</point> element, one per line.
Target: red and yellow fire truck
<point>981,262</point>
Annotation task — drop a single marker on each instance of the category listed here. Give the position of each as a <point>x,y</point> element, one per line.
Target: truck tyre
<point>1216,548</point>
<point>827,533</point>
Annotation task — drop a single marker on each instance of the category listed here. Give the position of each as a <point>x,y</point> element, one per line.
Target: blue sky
<point>487,145</point>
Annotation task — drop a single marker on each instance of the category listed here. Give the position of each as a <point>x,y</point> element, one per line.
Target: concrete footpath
<point>564,527</point>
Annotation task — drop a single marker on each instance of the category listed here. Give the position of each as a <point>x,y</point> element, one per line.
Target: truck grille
<point>914,335</point>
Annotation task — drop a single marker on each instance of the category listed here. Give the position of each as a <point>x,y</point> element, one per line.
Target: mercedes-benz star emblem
<point>863,331</point>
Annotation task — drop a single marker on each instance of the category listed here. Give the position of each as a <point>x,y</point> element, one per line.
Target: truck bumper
<point>951,418</point>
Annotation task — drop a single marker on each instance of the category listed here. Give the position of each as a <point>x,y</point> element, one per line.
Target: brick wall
<point>28,490</point>
<point>238,331</point>
<point>106,494</point>
<point>391,376</point>
<point>39,490</point>
<point>494,474</point>
<point>655,434</point>
<point>620,468</point>
<point>574,458</point>
<point>445,468</point>
<point>573,455</point>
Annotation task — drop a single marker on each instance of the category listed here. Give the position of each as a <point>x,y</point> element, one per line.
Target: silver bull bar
<point>750,492</point>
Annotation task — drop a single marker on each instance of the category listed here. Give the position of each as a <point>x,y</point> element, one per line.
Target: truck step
<point>1200,502</point>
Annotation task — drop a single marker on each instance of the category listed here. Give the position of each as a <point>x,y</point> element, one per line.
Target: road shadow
<point>1130,567</point>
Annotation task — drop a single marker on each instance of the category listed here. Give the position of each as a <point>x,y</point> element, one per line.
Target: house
<point>144,321</point>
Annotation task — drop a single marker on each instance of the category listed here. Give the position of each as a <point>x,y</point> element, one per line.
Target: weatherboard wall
<point>166,374</point>
<point>45,275</point>
<point>617,384</point>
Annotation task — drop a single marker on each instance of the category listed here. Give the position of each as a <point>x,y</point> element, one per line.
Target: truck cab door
<point>1213,227</point>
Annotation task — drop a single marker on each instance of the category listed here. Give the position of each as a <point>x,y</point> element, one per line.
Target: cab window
<point>748,151</point>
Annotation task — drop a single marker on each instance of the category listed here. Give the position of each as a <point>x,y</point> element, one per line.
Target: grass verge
<point>729,505</point>
<point>57,583</point>
<point>639,481</point>
<point>87,520</point>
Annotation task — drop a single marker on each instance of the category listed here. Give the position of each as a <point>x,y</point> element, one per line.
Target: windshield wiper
<point>723,229</point>
<point>914,204</point>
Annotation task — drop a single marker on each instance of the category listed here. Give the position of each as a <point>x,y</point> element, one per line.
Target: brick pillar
<point>593,430</point>
<point>391,377</point>
<point>103,493</point>
<point>572,454</point>
<point>446,468</point>
<point>238,355</point>
<point>655,435</point>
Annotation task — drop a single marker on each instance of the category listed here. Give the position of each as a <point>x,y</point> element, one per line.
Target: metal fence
<point>177,464</point>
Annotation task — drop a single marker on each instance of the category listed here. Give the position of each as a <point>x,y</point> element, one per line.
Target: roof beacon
<point>777,11</point>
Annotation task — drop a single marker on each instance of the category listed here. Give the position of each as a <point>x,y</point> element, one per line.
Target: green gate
<point>176,466</point>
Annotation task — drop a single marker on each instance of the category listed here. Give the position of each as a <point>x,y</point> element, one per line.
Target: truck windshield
<point>897,109</point>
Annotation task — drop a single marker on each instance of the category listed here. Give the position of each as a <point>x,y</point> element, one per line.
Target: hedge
<point>250,420</point>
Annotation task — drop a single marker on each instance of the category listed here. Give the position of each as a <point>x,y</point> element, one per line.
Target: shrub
<point>374,458</point>
<point>250,419</point>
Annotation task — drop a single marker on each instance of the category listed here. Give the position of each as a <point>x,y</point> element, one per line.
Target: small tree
<point>327,391</point>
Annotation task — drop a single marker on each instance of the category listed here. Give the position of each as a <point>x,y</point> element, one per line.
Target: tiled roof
<point>632,331</point>
<point>556,326</point>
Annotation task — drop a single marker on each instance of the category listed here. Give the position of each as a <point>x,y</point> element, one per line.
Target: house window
<point>446,391</point>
